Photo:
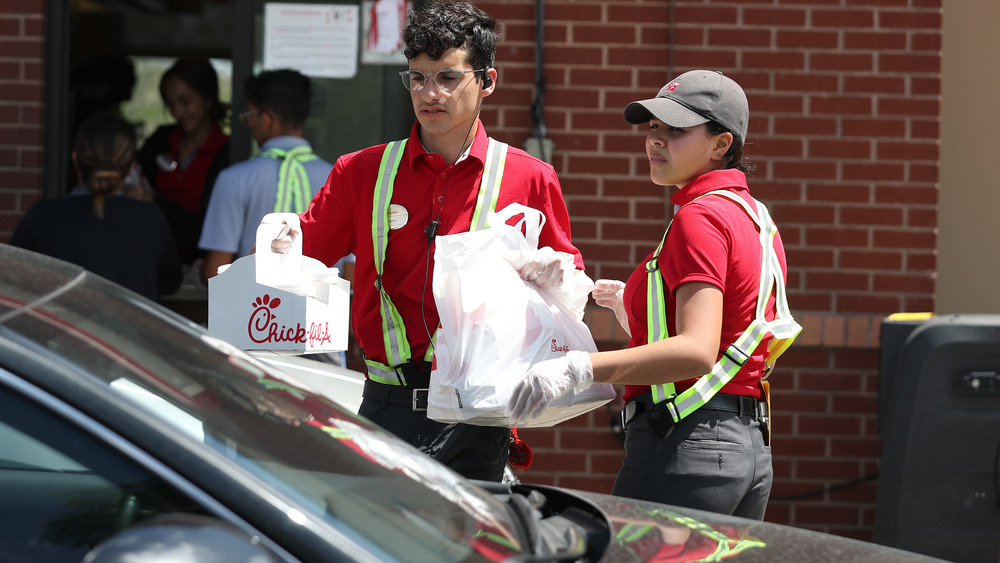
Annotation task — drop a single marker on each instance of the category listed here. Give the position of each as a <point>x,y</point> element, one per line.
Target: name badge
<point>398,216</point>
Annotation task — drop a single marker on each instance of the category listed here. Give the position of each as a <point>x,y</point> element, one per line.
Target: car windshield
<point>331,464</point>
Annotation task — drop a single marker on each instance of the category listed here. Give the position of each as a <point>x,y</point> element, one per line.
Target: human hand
<point>548,380</point>
<point>611,294</point>
<point>544,267</point>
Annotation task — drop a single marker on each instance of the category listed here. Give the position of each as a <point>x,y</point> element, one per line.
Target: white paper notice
<point>316,39</point>
<point>386,35</point>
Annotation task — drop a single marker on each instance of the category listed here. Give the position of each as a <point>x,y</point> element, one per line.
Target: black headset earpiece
<point>487,81</point>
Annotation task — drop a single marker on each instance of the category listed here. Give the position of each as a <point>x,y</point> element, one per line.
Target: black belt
<point>739,404</point>
<point>413,395</point>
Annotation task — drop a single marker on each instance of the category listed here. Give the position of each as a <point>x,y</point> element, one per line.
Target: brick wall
<point>22,51</point>
<point>844,131</point>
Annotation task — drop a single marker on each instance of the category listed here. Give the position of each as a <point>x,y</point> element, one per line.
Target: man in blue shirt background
<point>282,178</point>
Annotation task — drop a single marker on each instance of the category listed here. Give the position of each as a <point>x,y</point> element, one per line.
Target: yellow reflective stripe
<point>397,347</point>
<point>489,188</point>
<point>783,327</point>
<point>293,190</point>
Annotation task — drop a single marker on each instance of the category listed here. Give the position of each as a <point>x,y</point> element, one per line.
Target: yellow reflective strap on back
<point>294,191</point>
<point>397,347</point>
<point>783,328</point>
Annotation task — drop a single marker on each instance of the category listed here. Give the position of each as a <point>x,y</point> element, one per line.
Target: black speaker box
<point>939,418</point>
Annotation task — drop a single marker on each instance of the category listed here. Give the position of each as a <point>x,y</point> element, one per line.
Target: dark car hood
<point>645,531</point>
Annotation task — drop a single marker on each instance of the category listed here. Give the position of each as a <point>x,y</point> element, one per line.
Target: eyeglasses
<point>446,80</point>
<point>245,115</point>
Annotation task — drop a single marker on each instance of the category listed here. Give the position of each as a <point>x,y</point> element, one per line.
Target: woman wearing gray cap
<point>706,312</point>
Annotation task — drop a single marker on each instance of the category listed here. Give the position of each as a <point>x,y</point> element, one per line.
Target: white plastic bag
<point>494,325</point>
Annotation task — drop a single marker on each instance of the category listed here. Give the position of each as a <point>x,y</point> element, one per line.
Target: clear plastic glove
<point>282,243</point>
<point>545,267</point>
<point>547,381</point>
<point>611,294</point>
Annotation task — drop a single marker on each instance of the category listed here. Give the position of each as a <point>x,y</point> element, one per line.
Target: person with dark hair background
<point>120,238</point>
<point>404,194</point>
<point>181,161</point>
<point>282,178</point>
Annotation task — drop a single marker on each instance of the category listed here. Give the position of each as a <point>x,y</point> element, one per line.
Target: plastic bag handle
<point>532,221</point>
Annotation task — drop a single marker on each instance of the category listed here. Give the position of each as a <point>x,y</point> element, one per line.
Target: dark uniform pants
<point>712,460</point>
<point>475,452</point>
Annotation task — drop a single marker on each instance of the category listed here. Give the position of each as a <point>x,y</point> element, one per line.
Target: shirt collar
<point>414,148</point>
<point>729,179</point>
<point>284,142</point>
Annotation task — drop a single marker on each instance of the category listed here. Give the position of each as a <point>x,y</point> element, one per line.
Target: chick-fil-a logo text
<point>263,325</point>
<point>557,348</point>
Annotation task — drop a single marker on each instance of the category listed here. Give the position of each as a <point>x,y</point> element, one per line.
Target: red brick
<point>921,262</point>
<point>704,15</point>
<point>874,40</point>
<point>839,192</point>
<point>773,60</point>
<point>904,239</point>
<point>842,18</point>
<point>822,148</point>
<point>873,171</point>
<point>906,195</point>
<point>910,19</point>
<point>871,260</point>
<point>904,284</point>
<point>869,215</point>
<point>889,150</point>
<point>805,126</point>
<point>810,258</point>
<point>908,107</point>
<point>21,48</point>
<point>885,304</point>
<point>745,38</point>
<point>700,58</point>
<point>776,17</point>
<point>890,128</point>
<point>842,62</point>
<point>604,34</point>
<point>925,129</point>
<point>912,63</point>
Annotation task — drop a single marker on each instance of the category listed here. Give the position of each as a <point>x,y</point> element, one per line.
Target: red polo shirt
<point>185,183</point>
<point>711,240</point>
<point>339,222</point>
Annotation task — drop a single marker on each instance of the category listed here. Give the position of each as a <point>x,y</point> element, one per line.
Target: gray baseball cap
<point>693,98</point>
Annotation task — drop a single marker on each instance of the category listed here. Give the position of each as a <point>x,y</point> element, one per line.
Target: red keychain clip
<point>520,454</point>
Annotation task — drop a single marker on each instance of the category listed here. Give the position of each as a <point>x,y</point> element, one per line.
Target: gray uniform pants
<point>712,460</point>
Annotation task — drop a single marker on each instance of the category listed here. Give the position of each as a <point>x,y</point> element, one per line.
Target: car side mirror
<point>180,537</point>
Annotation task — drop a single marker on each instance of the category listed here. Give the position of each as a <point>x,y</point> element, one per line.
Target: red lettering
<point>319,333</point>
<point>263,328</point>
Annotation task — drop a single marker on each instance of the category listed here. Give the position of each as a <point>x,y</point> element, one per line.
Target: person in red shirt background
<point>450,48</point>
<point>181,161</point>
<point>686,307</point>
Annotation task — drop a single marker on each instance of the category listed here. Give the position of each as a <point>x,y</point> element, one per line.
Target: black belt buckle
<point>628,413</point>
<point>420,400</point>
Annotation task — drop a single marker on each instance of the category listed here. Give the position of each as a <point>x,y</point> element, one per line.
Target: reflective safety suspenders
<point>294,192</point>
<point>397,347</point>
<point>783,327</point>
